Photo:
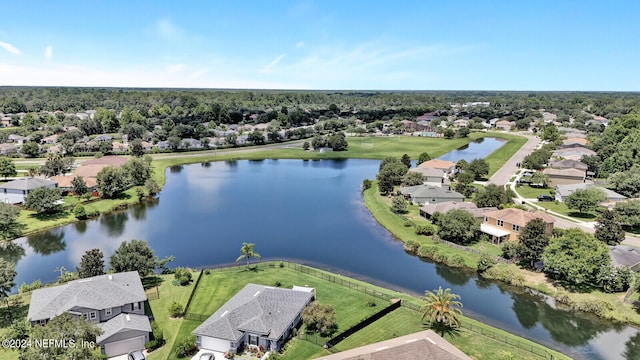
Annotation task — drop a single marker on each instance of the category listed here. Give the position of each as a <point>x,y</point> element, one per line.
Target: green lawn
<point>562,208</point>
<point>529,192</point>
<point>160,310</point>
<point>497,158</point>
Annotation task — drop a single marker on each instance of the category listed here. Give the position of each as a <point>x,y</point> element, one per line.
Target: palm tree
<point>247,252</point>
<point>441,308</point>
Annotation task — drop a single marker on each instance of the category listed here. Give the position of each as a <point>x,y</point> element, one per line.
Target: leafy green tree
<point>423,157</point>
<point>305,145</point>
<point>448,133</point>
<point>538,177</point>
<point>533,240</point>
<point>137,171</point>
<point>9,225</point>
<point>7,167</point>
<point>78,186</point>
<point>111,182</point>
<point>319,317</point>
<point>337,142</point>
<point>478,167</point>
<point>135,255</point>
<point>136,148</point>
<point>465,177</point>
<point>412,178</point>
<point>62,328</point>
<point>91,264</point>
<point>79,212</point>
<point>56,164</point>
<point>256,137</point>
<point>585,200</point>
<point>247,252</point>
<point>550,133</point>
<point>461,165</point>
<point>398,205</point>
<point>629,212</point>
<point>627,182</point>
<point>7,276</point>
<point>462,132</point>
<point>31,149</point>
<point>151,187</point>
<point>493,196</point>
<point>391,174</point>
<point>575,257</point>
<point>458,226</point>
<point>406,160</point>
<point>318,141</point>
<point>609,228</point>
<point>441,307</point>
<point>43,200</point>
<point>108,120</point>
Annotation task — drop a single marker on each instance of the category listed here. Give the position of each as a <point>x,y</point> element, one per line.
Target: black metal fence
<point>362,324</point>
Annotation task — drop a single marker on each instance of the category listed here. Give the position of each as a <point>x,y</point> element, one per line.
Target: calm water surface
<point>311,211</point>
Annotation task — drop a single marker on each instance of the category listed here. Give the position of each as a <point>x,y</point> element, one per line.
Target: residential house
<point>55,149</point>
<point>425,133</point>
<point>564,176</point>
<point>573,153</point>
<point>504,125</point>
<point>162,145</point>
<point>446,166</point>
<point>575,134</point>
<point>5,121</point>
<point>115,302</point>
<point>17,139</point>
<point>568,164</point>
<point>562,191</point>
<point>16,191</point>
<point>574,140</point>
<point>417,346</point>
<point>103,138</point>
<point>258,315</point>
<point>625,256</point>
<point>7,149</point>
<point>242,139</point>
<point>431,175</point>
<point>64,182</point>
<point>429,194</point>
<point>506,224</point>
<point>91,168</point>
<point>52,139</point>
<point>427,210</point>
<point>190,143</point>
<point>461,123</point>
<point>119,147</point>
<point>146,146</point>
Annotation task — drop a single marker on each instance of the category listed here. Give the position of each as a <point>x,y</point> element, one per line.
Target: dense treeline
<point>234,106</point>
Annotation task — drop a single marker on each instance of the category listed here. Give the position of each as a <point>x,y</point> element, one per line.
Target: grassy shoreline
<point>360,148</point>
<point>607,306</point>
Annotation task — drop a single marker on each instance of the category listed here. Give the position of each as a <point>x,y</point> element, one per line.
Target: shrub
<point>440,256</point>
<point>426,251</point>
<point>176,309</point>
<point>509,249</point>
<point>426,229</point>
<point>158,337</point>
<point>411,246</point>
<point>207,272</point>
<point>456,261</point>
<point>371,302</point>
<point>408,223</point>
<point>182,275</point>
<point>24,288</point>
<point>485,262</point>
<point>85,196</point>
<point>185,346</point>
<point>281,264</point>
<point>79,212</point>
<point>366,184</point>
<point>278,283</point>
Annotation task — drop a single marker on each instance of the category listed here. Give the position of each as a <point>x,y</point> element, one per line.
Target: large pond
<point>310,211</point>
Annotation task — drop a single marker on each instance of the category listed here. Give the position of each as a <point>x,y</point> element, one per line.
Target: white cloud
<point>175,68</point>
<point>300,44</point>
<point>10,48</point>
<point>198,74</point>
<point>48,52</point>
<point>267,68</point>
<point>168,30</point>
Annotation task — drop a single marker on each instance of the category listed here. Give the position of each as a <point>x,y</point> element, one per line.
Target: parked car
<point>207,356</point>
<point>137,355</point>
<point>545,198</point>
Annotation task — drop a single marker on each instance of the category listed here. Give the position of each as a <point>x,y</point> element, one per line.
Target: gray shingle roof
<point>123,322</point>
<point>26,183</point>
<point>257,309</point>
<point>425,191</point>
<point>566,190</point>
<point>98,292</point>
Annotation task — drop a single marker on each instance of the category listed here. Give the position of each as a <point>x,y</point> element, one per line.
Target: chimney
<point>128,318</point>
<point>110,277</point>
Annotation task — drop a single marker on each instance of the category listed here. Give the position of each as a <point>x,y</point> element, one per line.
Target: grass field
<point>561,208</point>
<point>529,192</point>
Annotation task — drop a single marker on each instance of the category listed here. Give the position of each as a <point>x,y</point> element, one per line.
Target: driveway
<point>218,355</point>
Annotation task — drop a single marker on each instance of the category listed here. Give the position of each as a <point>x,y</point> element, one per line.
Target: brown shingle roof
<point>107,160</point>
<point>65,181</point>
<point>438,164</point>
<point>519,217</point>
<point>89,171</point>
<point>564,172</point>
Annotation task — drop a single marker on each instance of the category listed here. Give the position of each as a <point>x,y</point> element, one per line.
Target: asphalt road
<point>502,176</point>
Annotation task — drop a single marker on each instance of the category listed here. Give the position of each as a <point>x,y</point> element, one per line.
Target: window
<point>85,316</point>
<point>107,312</point>
<point>92,315</point>
<point>135,306</point>
<point>499,222</point>
<point>486,219</point>
<point>253,340</point>
<point>515,228</point>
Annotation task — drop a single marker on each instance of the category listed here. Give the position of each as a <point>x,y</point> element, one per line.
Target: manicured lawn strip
<point>529,192</point>
<point>160,309</point>
<point>487,247</point>
<point>562,208</point>
<point>298,349</point>
<point>497,158</point>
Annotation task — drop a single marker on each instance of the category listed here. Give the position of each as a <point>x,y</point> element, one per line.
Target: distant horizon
<point>405,45</point>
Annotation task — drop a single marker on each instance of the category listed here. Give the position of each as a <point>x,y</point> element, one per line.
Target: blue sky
<point>323,44</point>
